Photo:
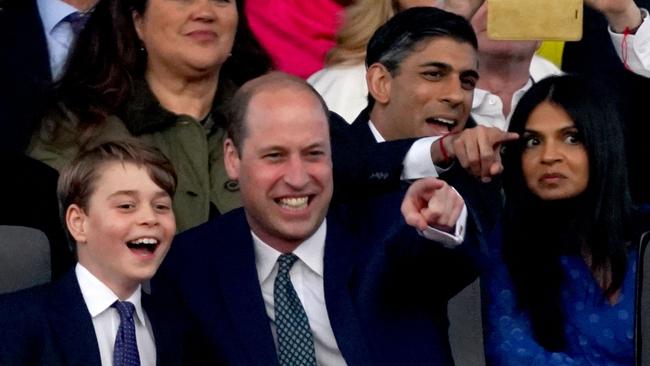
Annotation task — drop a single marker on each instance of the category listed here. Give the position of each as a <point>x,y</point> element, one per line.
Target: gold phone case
<point>535,19</point>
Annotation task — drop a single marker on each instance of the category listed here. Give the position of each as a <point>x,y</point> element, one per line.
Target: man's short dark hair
<point>397,38</point>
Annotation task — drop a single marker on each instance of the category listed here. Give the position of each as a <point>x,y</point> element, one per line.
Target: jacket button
<point>231,185</point>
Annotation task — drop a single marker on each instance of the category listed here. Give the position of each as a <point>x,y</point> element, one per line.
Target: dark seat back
<point>24,258</point>
<point>466,327</point>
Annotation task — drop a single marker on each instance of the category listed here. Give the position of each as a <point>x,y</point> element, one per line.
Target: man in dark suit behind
<point>365,290</point>
<point>33,57</point>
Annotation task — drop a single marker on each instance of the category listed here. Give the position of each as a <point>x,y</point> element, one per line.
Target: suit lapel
<point>71,324</point>
<point>361,130</point>
<point>242,293</point>
<point>338,269</point>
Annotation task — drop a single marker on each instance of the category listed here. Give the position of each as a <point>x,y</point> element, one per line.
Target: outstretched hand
<point>432,202</point>
<point>477,150</point>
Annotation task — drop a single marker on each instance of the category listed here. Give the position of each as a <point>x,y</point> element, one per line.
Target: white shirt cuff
<point>638,46</point>
<point>417,162</point>
<point>448,240</point>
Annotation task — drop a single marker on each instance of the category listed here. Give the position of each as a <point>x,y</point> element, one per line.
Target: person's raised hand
<point>477,150</point>
<point>432,202</point>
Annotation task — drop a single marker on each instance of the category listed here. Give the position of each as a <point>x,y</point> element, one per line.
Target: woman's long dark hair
<point>537,232</point>
<point>107,58</point>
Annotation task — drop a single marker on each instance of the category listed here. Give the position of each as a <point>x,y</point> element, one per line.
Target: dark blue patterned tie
<point>77,21</point>
<point>125,352</point>
<point>295,343</point>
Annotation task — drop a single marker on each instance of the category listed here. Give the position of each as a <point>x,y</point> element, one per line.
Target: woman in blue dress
<point>560,287</point>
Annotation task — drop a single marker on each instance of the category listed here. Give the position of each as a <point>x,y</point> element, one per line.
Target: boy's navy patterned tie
<point>125,352</point>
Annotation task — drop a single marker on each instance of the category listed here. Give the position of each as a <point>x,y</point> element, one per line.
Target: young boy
<point>116,205</point>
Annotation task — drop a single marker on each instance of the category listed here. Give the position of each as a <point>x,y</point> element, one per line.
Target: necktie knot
<point>125,309</point>
<point>285,262</point>
<point>77,20</point>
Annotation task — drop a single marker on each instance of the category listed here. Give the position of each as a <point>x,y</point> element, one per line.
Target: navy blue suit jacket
<point>25,76</point>
<point>386,298</point>
<point>50,325</point>
<point>364,169</point>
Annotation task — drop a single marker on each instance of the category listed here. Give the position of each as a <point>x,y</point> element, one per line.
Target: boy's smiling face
<point>126,230</point>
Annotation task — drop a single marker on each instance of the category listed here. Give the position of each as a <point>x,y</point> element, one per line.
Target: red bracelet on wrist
<point>443,150</point>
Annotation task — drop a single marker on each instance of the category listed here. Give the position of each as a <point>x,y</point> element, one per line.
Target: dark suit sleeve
<point>169,287</point>
<point>25,77</point>
<point>362,167</point>
<point>427,271</point>
<point>421,270</point>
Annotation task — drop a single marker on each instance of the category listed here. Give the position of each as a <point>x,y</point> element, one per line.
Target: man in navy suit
<point>422,71</point>
<point>116,204</point>
<point>35,44</point>
<point>368,289</point>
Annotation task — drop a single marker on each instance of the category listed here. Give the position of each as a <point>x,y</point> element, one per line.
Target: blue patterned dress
<point>597,333</point>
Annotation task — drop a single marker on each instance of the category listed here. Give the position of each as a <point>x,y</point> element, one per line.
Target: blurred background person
<point>37,37</point>
<point>296,33</point>
<point>342,83</point>
<point>507,69</point>
<point>163,72</point>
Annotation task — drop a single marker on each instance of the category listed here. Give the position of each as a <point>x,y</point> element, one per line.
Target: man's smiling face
<point>431,91</point>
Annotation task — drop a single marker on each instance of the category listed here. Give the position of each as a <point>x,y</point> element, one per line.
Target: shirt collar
<point>375,132</point>
<point>311,252</point>
<point>479,97</point>
<point>520,93</point>
<point>99,297</point>
<point>52,12</point>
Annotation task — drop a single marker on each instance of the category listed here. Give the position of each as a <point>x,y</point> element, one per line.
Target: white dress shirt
<point>487,108</point>
<point>638,46</point>
<point>59,35</point>
<point>418,164</point>
<point>344,89</point>
<point>307,279</point>
<point>106,320</point>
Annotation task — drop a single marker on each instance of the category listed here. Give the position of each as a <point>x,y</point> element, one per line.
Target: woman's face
<point>554,161</point>
<point>187,36</point>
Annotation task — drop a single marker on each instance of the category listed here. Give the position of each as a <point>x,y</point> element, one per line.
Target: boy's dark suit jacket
<point>50,325</point>
<point>386,298</point>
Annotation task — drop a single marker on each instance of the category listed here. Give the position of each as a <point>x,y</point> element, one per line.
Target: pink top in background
<point>296,33</point>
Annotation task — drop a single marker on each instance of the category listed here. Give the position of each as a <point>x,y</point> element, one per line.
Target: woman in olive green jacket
<point>163,72</point>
